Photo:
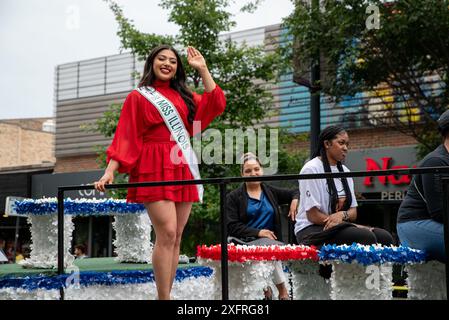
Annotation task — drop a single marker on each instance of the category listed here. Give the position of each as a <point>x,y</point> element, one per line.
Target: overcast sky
<point>37,35</point>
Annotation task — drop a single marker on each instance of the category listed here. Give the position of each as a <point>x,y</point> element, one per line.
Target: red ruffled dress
<point>142,143</point>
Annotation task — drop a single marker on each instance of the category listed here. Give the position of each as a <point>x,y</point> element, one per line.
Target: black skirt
<point>314,234</point>
<point>251,241</point>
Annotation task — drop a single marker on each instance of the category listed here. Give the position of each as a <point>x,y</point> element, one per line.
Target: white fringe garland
<point>426,281</point>
<point>307,282</point>
<point>44,242</point>
<point>353,281</point>
<point>246,280</point>
<point>133,238</point>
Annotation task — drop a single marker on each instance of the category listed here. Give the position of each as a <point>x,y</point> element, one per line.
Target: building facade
<point>27,150</point>
<point>26,142</point>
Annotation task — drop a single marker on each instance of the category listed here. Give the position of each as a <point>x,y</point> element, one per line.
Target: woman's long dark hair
<point>177,83</point>
<point>328,134</point>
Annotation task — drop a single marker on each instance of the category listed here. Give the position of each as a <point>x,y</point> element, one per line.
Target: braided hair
<point>328,134</point>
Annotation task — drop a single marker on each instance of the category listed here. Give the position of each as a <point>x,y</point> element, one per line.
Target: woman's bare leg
<point>164,220</point>
<point>182,214</point>
<point>283,292</point>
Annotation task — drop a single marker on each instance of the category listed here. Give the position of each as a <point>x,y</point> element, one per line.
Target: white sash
<point>176,126</point>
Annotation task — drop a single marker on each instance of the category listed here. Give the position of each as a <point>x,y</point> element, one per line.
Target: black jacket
<point>237,204</point>
<point>429,186</point>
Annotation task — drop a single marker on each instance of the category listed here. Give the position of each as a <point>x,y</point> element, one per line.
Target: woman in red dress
<point>143,148</point>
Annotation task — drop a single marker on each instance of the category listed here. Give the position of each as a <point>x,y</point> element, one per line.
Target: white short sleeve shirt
<point>315,192</point>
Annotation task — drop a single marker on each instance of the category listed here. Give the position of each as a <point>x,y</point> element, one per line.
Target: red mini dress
<point>142,143</point>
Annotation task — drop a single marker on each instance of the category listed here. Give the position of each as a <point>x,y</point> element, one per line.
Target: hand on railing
<point>107,178</point>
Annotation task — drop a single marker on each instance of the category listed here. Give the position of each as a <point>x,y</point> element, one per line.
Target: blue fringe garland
<point>90,278</point>
<point>77,207</point>
<point>367,255</point>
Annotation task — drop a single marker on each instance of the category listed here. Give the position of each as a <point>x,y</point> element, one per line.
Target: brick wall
<point>377,138</point>
<point>369,138</point>
<point>76,164</point>
<point>20,146</point>
<point>29,124</point>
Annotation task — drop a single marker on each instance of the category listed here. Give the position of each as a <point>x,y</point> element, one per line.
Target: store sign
<point>46,185</point>
<point>392,186</point>
<point>372,165</point>
<point>392,195</point>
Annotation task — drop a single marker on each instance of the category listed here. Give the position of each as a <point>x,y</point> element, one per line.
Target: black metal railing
<point>223,182</point>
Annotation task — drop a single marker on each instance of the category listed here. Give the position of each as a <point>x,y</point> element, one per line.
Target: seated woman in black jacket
<point>420,217</point>
<point>253,214</point>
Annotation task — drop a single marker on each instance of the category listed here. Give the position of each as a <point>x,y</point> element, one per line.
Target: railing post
<point>61,238</point>
<point>446,228</point>
<point>224,243</point>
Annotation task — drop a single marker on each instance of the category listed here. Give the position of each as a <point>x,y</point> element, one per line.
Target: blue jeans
<point>425,235</point>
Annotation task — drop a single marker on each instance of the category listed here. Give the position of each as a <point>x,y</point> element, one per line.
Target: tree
<point>243,72</point>
<point>400,47</point>
<point>235,68</point>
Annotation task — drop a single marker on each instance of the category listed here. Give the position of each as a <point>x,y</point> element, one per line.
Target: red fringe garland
<point>242,253</point>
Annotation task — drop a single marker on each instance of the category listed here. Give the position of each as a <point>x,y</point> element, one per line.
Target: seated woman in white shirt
<point>328,207</point>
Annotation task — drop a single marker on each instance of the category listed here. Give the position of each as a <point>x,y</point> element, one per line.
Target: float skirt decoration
<point>191,283</point>
<point>365,272</point>
<point>308,284</point>
<point>44,242</point>
<point>133,238</point>
<point>426,281</point>
<point>250,268</point>
<point>132,226</point>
